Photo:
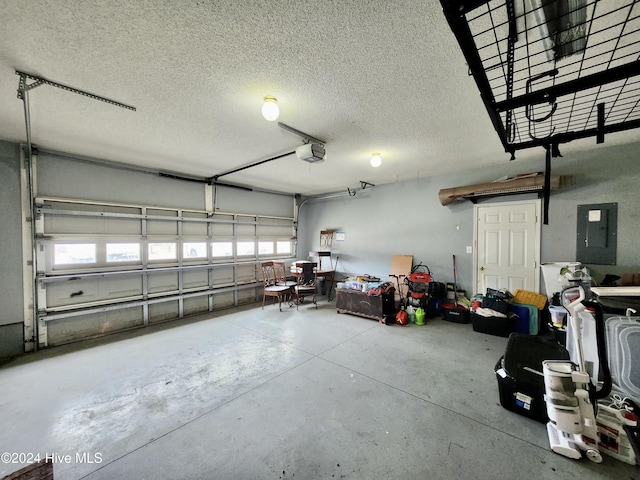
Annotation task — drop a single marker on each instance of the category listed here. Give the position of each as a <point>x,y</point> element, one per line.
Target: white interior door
<point>507,239</point>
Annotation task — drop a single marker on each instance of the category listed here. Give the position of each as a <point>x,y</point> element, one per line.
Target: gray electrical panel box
<point>597,233</point>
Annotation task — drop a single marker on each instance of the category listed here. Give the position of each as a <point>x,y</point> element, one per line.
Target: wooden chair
<point>306,283</point>
<point>281,275</point>
<point>326,239</point>
<point>280,270</point>
<point>327,274</point>
<point>270,287</point>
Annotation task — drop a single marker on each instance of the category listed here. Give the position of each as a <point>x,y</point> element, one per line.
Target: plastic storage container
<point>521,320</point>
<point>453,313</point>
<point>499,326</point>
<point>519,374</point>
<point>558,316</point>
<point>623,351</point>
<point>530,298</point>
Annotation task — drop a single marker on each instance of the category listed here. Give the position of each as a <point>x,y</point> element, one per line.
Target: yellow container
<point>530,298</point>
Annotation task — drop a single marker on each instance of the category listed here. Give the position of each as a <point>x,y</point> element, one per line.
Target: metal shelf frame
<point>552,72</point>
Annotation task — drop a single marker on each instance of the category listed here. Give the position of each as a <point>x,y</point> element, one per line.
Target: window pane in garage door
<point>265,248</point>
<point>74,253</point>
<point>246,248</point>
<point>283,247</point>
<point>123,252</point>
<point>222,249</point>
<point>194,250</point>
<point>162,251</point>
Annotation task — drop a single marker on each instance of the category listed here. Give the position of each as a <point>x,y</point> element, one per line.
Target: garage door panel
<point>246,273</point>
<point>158,227</point>
<point>161,312</point>
<point>163,282</point>
<point>89,225</point>
<point>198,229</point>
<point>194,229</point>
<point>100,220</point>
<point>274,228</point>
<point>196,305</point>
<point>161,227</point>
<point>224,227</point>
<point>66,330</point>
<point>247,295</point>
<point>86,290</point>
<point>222,275</point>
<point>196,279</point>
<point>245,230</point>
<point>223,300</point>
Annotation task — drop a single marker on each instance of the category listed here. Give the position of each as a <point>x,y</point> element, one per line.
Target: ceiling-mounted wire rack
<point>549,71</point>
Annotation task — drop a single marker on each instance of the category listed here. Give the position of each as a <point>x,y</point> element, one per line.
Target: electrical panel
<point>597,234</point>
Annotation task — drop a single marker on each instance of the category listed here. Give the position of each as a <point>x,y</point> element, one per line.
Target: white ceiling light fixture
<point>376,160</point>
<point>270,109</point>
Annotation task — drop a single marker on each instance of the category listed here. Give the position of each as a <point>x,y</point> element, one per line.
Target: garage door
<point>104,266</point>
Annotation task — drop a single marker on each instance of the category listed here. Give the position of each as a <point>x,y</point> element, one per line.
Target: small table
<point>327,275</point>
<point>322,254</point>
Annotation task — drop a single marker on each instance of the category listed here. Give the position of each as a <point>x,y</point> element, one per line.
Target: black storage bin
<point>521,389</point>
<point>496,304</point>
<point>456,315</point>
<point>502,327</point>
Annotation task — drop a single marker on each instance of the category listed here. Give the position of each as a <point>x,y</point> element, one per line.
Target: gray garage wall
<point>407,217</point>
<point>11,292</point>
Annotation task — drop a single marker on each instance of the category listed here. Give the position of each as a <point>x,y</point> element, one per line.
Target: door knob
<point>481,268</point>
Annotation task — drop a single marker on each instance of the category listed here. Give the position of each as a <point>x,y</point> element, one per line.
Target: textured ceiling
<point>364,76</point>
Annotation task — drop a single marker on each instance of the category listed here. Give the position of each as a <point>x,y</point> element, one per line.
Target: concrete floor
<point>253,394</point>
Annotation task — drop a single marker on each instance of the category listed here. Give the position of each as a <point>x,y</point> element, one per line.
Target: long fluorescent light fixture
<point>562,26</point>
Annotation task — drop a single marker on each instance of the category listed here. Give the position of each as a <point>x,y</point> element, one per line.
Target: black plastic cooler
<point>519,374</point>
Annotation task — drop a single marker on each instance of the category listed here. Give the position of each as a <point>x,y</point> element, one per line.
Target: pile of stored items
<point>420,295</point>
<point>585,383</point>
<point>367,297</point>
<point>572,359</point>
<point>359,282</point>
<point>500,312</point>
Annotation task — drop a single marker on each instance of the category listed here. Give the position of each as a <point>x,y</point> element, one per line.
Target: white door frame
<point>538,205</point>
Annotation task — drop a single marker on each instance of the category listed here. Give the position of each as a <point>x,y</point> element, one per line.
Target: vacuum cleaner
<point>570,397</point>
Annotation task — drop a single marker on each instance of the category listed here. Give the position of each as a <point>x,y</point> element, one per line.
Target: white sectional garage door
<point>105,266</point>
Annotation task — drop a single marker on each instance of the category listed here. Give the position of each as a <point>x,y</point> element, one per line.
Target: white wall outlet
<point>469,249</point>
